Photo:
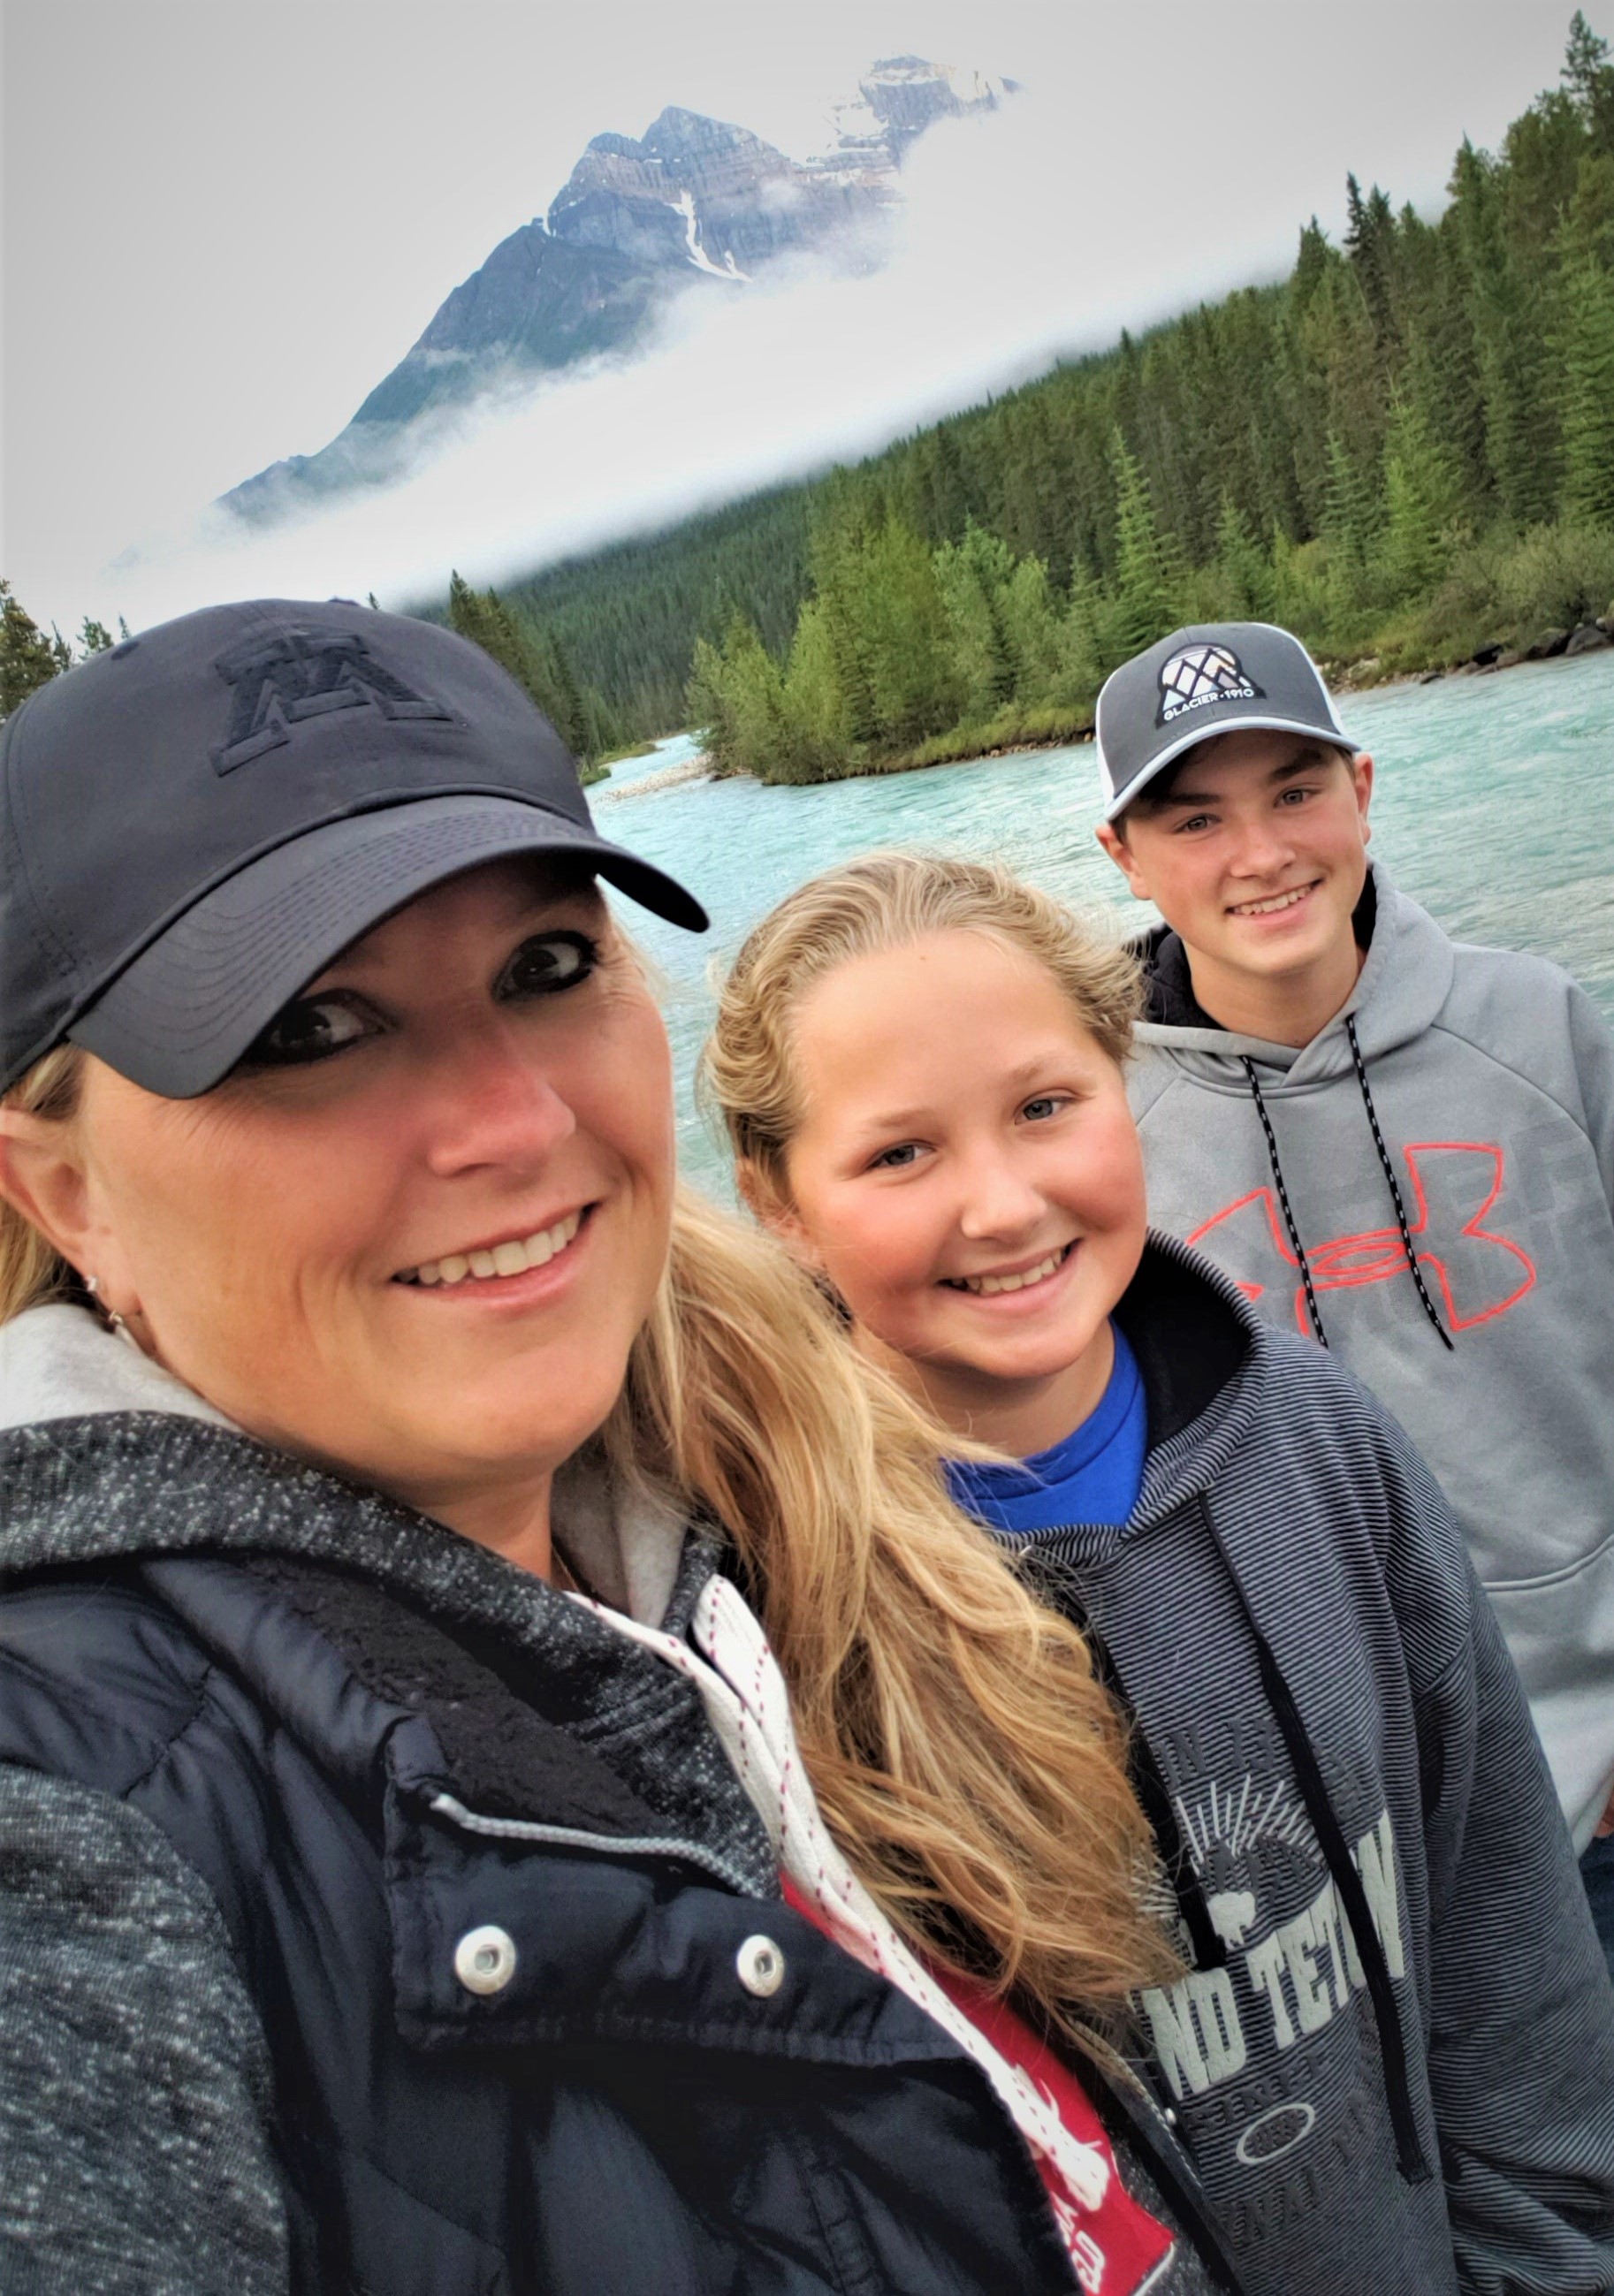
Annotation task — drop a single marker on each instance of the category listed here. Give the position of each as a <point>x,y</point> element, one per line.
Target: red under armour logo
<point>1479,1274</point>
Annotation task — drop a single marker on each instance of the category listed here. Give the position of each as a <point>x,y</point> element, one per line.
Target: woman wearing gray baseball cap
<point>417,1871</point>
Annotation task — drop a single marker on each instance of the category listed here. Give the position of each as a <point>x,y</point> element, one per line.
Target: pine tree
<point>753,702</point>
<point>1370,244</point>
<point>1422,499</point>
<point>1586,72</point>
<point>939,504</point>
<point>1090,646</point>
<point>530,655</point>
<point>973,577</point>
<point>906,645</point>
<point>1588,394</point>
<point>1245,564</point>
<point>839,542</point>
<point>1147,573</point>
<point>708,707</point>
<point>1588,75</point>
<point>1310,263</point>
<point>1031,624</point>
<point>28,660</point>
<point>93,637</point>
<point>1350,521</point>
<point>814,707</point>
<point>1509,338</point>
<point>566,704</point>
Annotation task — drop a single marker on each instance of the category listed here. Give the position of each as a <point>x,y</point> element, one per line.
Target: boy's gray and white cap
<point>1200,682</point>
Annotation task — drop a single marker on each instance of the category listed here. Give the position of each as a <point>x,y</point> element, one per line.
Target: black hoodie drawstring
<point>1296,1245</point>
<point>1410,2156</point>
<point>1298,1249</point>
<point>1395,1192</point>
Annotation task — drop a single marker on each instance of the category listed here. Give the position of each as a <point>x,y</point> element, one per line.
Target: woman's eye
<point>308,1028</point>
<point>549,962</point>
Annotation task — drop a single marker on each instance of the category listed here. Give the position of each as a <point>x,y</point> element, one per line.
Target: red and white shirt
<point>1117,2248</point>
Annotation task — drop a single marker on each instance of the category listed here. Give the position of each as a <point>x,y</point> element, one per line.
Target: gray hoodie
<point>1429,1185</point>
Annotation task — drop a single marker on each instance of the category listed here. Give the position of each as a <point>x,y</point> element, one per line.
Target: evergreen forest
<point>1405,452</point>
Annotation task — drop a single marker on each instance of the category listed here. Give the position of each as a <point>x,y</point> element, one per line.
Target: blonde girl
<point>919,1061</point>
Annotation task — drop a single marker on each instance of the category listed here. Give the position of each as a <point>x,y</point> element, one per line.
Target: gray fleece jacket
<point>1428,1187</point>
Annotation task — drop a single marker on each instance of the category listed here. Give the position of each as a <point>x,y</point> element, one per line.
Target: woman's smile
<point>489,1269</point>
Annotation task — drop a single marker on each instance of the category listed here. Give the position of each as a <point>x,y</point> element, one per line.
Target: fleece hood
<point>58,1363</point>
<point>105,1459</point>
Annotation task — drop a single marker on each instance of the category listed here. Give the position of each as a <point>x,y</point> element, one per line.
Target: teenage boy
<point>1398,1144</point>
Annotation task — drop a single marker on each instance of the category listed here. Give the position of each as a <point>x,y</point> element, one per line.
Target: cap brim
<point>1231,722</point>
<point>180,1015</point>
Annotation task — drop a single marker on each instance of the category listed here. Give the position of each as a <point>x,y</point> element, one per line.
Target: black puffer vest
<point>526,2036</point>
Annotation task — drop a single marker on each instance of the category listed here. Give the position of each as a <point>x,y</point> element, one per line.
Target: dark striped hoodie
<point>1393,2057</point>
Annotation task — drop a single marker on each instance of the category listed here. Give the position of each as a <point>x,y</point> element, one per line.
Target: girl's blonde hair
<point>748,1071</point>
<point>968,1762</point>
<point>970,1765</point>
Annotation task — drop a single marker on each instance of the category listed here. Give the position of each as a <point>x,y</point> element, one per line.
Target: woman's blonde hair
<point>966,1759</point>
<point>748,1071</point>
<point>963,1754</point>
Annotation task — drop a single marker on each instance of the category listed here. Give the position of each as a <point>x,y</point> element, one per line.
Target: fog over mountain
<point>697,206</point>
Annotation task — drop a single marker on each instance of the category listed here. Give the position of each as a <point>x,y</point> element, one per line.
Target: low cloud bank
<point>1014,245</point>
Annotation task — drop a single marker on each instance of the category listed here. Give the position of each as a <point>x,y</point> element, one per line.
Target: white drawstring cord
<point>749,1708</point>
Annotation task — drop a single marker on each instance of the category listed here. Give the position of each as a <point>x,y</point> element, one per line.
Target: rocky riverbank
<point>688,769</point>
<point>1549,645</point>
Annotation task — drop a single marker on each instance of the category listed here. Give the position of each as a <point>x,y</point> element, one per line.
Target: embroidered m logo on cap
<point>278,683</point>
<point>1201,674</point>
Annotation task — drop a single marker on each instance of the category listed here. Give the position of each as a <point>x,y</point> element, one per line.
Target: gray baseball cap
<point>1200,682</point>
<point>195,823</point>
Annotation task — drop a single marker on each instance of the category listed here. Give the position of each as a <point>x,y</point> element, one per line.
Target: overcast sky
<point>224,220</point>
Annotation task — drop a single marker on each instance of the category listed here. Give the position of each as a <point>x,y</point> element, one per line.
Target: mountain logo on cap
<point>1201,674</point>
<point>277,682</point>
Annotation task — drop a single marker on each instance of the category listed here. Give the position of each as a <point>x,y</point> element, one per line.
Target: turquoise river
<point>1488,808</point>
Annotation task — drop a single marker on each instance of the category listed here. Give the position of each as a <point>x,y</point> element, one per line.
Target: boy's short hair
<point>1213,678</point>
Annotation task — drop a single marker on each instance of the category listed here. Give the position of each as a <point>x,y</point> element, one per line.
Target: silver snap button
<point>1169,2116</point>
<point>485,1960</point>
<point>761,1966</point>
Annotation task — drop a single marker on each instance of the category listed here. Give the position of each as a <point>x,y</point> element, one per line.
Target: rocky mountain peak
<point>676,135</point>
<point>638,219</point>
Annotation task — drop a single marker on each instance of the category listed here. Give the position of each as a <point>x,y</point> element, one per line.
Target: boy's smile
<point>1256,855</point>
<point>967,1178</point>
